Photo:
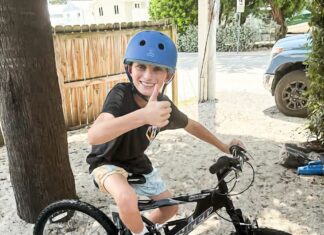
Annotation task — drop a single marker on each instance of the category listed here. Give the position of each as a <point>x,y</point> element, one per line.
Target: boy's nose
<point>148,73</point>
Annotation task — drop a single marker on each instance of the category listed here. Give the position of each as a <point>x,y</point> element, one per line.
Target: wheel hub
<point>292,95</point>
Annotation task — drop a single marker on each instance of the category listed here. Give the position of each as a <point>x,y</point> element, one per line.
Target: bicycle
<point>62,217</point>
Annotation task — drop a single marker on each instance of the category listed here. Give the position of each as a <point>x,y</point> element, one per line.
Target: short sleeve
<point>177,119</point>
<point>114,100</point>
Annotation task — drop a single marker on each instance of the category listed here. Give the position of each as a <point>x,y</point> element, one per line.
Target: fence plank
<point>89,64</point>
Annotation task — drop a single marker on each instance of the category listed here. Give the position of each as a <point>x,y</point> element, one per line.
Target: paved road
<point>231,68</point>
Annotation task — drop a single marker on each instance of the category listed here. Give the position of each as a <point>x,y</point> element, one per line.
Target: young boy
<point>132,115</point>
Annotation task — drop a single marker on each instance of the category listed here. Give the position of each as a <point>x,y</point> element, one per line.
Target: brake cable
<point>253,176</point>
<point>236,177</point>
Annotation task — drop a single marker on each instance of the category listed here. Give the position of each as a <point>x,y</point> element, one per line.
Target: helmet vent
<point>142,43</point>
<point>161,46</point>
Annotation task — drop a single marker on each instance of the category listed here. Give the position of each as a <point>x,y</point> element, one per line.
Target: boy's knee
<point>170,210</point>
<point>174,209</point>
<point>127,203</point>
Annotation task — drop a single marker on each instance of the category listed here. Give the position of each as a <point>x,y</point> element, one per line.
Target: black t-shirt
<point>127,150</point>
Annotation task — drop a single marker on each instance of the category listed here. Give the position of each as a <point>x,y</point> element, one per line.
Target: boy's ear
<point>129,69</point>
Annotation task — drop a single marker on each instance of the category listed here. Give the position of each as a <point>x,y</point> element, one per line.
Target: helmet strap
<point>133,87</point>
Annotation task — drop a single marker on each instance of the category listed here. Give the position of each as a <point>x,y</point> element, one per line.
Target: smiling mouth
<point>147,84</point>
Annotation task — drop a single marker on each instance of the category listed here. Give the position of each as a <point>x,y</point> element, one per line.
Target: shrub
<point>315,72</point>
<point>226,39</point>
<point>188,41</point>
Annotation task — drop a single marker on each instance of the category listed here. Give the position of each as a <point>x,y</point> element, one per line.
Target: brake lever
<point>241,155</point>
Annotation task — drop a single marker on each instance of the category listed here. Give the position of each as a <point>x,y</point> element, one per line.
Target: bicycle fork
<point>220,199</point>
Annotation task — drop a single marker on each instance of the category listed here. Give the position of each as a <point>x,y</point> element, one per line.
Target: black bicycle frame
<point>208,201</point>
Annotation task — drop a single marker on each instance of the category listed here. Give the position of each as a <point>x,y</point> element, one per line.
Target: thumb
<point>155,93</point>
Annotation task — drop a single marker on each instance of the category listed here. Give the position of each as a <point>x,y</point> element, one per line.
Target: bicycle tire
<point>264,231</point>
<point>269,231</point>
<point>68,208</point>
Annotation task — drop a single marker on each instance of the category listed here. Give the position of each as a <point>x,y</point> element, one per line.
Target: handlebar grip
<point>222,163</point>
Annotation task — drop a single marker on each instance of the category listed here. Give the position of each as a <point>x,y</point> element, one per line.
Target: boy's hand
<point>157,113</point>
<point>235,142</point>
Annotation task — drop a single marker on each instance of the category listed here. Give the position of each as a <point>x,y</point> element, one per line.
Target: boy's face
<point>145,76</point>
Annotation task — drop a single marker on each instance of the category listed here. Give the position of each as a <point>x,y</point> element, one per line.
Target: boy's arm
<point>198,130</point>
<point>107,127</point>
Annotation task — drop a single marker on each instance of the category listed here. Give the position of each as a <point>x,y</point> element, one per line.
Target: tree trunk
<point>30,108</point>
<point>278,17</point>
<point>1,138</point>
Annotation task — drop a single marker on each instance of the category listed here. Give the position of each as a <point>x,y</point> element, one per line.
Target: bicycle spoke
<point>73,222</point>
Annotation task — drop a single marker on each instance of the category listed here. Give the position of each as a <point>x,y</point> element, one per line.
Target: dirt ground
<point>279,198</point>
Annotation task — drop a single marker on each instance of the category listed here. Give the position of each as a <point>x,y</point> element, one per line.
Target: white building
<point>111,11</point>
<point>98,11</point>
<point>72,13</point>
<point>56,14</point>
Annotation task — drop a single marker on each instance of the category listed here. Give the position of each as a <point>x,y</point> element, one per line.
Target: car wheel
<point>288,94</point>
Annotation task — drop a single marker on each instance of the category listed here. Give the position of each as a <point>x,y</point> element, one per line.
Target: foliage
<point>281,10</point>
<point>315,72</point>
<point>226,39</point>
<point>303,17</point>
<point>53,2</point>
<point>183,12</point>
<point>228,8</point>
<point>188,41</point>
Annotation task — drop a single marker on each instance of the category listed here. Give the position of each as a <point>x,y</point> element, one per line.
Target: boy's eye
<point>158,69</point>
<point>141,66</point>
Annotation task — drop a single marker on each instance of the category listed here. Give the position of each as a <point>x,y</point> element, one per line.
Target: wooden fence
<point>89,62</point>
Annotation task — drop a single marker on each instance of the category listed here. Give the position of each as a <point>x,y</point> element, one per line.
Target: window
<point>100,11</point>
<point>116,9</point>
<point>137,5</point>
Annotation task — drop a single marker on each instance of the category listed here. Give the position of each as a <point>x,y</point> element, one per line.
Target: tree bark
<point>1,138</point>
<point>279,18</point>
<point>31,108</point>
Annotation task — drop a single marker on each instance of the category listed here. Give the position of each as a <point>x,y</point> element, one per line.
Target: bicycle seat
<point>132,179</point>
<point>136,179</point>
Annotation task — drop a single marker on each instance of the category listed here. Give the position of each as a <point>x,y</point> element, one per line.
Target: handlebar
<point>225,163</point>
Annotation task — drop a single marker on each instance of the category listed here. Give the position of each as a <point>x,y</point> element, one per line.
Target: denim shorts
<point>153,186</point>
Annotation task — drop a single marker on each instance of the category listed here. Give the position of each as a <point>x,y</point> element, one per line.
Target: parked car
<point>285,76</point>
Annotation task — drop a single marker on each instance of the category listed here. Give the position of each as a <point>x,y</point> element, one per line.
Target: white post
<point>202,50</point>
<point>214,10</point>
<point>207,24</point>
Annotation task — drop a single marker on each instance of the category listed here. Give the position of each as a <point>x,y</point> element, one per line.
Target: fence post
<point>175,80</point>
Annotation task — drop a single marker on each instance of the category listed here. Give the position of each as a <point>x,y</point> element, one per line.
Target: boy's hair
<point>167,69</point>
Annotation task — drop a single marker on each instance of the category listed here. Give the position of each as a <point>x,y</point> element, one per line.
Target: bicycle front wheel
<point>264,231</point>
<point>73,217</point>
<point>269,231</point>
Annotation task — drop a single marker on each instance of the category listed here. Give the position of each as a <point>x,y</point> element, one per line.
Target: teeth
<point>147,84</point>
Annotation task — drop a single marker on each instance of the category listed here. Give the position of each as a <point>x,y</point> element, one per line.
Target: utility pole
<point>240,5</point>
<point>207,25</point>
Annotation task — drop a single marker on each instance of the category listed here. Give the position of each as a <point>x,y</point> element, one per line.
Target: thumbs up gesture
<point>157,113</point>
<point>155,93</point>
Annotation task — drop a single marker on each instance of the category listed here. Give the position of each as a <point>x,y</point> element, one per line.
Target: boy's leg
<point>126,200</point>
<point>161,215</point>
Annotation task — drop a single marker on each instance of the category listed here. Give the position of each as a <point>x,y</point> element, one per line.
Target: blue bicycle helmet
<point>152,47</point>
